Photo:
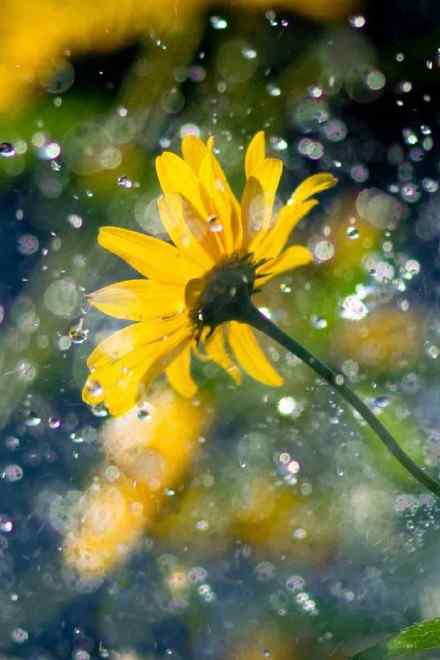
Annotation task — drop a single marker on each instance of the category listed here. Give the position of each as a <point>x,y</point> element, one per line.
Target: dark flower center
<point>221,295</point>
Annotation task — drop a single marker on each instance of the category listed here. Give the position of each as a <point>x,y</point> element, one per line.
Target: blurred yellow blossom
<point>263,641</point>
<point>268,518</point>
<point>146,457</point>
<point>388,338</point>
<point>36,37</point>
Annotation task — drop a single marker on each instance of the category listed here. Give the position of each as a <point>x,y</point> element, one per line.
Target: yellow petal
<point>269,174</point>
<point>255,154</point>
<point>150,256</point>
<point>217,201</point>
<point>253,210</point>
<point>120,385</point>
<point>258,198</point>
<point>216,351</point>
<point>176,176</point>
<point>234,229</point>
<point>249,354</point>
<point>312,185</point>
<point>188,233</point>
<point>270,243</point>
<point>179,374</point>
<point>194,150</point>
<point>139,300</point>
<point>293,257</point>
<point>134,337</point>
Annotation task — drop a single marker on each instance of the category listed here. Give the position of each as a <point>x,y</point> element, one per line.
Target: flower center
<point>222,293</point>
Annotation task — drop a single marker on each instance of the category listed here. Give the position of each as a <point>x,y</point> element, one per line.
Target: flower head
<point>222,251</point>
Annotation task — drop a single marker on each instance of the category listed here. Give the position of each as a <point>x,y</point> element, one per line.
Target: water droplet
<point>6,525</point>
<point>75,220</point>
<point>352,232</point>
<point>357,21</point>
<point>353,308</point>
<point>94,388</point>
<point>12,473</point>
<point>7,150</point>
<point>54,422</point>
<point>32,419</point>
<point>218,23</point>
<point>125,182</point>
<point>318,322</point>
<point>19,635</point>
<point>100,410</point>
<point>324,250</point>
<point>77,333</point>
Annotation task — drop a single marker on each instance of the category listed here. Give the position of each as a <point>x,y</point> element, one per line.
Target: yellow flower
<point>222,252</point>
<point>145,458</point>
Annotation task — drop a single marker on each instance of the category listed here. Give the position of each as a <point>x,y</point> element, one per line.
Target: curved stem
<point>256,319</point>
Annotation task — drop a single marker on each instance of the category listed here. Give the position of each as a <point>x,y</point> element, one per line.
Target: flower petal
<point>194,150</point>
<point>176,176</point>
<point>249,354</point>
<point>233,233</point>
<point>269,244</point>
<point>134,337</point>
<point>269,174</point>
<point>217,200</point>
<point>179,374</point>
<point>150,256</point>
<point>253,210</point>
<point>121,384</point>
<point>255,154</point>
<point>139,300</point>
<point>216,351</point>
<point>188,237</point>
<point>312,185</point>
<point>293,257</point>
<point>258,198</point>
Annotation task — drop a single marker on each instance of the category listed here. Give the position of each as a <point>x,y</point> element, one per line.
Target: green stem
<point>256,319</point>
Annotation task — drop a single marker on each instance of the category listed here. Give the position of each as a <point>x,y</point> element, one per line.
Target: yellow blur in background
<point>146,457</point>
<point>36,38</point>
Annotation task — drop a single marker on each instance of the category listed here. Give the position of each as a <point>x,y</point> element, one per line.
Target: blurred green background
<point>283,529</point>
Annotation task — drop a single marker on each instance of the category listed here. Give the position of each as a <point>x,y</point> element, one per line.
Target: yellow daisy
<point>222,251</point>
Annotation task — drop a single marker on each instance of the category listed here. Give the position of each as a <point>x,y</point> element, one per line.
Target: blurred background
<point>252,522</point>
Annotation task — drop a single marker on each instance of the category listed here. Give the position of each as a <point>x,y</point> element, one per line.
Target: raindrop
<point>54,422</point>
<point>12,473</point>
<point>125,182</point>
<point>32,419</point>
<point>352,232</point>
<point>100,410</point>
<point>6,525</point>
<point>19,635</point>
<point>324,250</point>
<point>218,23</point>
<point>353,308</point>
<point>94,388</point>
<point>357,21</point>
<point>318,322</point>
<point>75,220</point>
<point>7,150</point>
<point>77,333</point>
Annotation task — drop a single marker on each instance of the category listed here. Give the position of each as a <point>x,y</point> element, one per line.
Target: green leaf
<point>423,636</point>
